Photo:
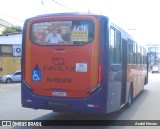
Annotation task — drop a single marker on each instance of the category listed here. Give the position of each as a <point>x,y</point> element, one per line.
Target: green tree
<point>12,29</point>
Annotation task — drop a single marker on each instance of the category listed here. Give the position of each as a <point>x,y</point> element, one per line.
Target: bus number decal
<point>80,33</point>
<point>59,80</point>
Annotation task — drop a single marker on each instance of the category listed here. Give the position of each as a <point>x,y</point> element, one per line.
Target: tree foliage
<point>12,29</point>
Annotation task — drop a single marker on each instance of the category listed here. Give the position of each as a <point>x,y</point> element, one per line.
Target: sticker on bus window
<point>80,33</point>
<point>81,67</point>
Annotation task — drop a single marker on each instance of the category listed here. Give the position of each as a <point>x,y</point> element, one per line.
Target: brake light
<point>99,73</point>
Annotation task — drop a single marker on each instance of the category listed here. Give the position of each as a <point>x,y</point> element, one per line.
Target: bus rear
<point>61,65</point>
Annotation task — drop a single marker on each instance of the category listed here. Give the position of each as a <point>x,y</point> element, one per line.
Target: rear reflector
<point>93,106</point>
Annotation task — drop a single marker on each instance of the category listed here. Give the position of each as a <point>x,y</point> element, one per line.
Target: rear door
<point>62,56</point>
<point>116,89</point>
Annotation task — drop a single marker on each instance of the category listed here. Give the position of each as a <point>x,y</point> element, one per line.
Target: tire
<point>8,80</point>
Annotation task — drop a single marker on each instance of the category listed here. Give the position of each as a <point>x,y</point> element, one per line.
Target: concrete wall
<point>10,61</point>
<point>9,64</point>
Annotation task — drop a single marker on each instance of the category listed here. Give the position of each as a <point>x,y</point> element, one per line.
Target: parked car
<point>14,77</point>
<point>155,69</point>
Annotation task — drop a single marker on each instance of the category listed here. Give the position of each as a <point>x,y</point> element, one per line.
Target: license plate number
<point>59,93</point>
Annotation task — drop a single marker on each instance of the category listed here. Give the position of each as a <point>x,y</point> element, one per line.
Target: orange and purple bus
<point>75,62</point>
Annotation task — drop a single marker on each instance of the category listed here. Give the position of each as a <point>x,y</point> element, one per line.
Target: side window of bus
<point>139,55</point>
<point>144,55</point>
<point>115,46</point>
<point>132,52</point>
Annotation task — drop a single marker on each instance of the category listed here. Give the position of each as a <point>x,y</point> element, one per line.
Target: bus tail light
<point>99,73</point>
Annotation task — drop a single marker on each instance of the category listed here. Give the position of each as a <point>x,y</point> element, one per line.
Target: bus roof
<point>69,14</point>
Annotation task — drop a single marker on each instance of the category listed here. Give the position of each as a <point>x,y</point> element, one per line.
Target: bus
<point>74,62</point>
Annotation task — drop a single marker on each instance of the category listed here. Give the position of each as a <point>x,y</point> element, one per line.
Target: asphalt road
<point>146,106</point>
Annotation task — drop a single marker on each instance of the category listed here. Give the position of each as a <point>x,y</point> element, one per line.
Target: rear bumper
<point>95,103</point>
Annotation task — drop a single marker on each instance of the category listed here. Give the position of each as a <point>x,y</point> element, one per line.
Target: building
<point>154,52</point>
<point>10,53</point>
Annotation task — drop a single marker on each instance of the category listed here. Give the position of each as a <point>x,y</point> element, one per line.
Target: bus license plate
<point>59,93</point>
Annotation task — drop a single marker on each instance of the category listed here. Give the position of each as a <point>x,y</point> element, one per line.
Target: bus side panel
<point>111,83</point>
<point>115,88</point>
<point>112,73</point>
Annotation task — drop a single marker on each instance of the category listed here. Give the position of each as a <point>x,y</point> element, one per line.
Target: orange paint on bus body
<point>71,69</point>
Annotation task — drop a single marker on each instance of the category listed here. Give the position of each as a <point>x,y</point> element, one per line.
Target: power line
<point>5,23</point>
<point>13,21</point>
<point>63,6</point>
<point>12,17</point>
<point>42,2</point>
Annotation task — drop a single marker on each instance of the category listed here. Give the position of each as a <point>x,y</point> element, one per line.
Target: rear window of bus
<point>76,32</point>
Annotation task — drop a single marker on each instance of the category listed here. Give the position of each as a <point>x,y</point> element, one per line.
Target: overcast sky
<point>139,17</point>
